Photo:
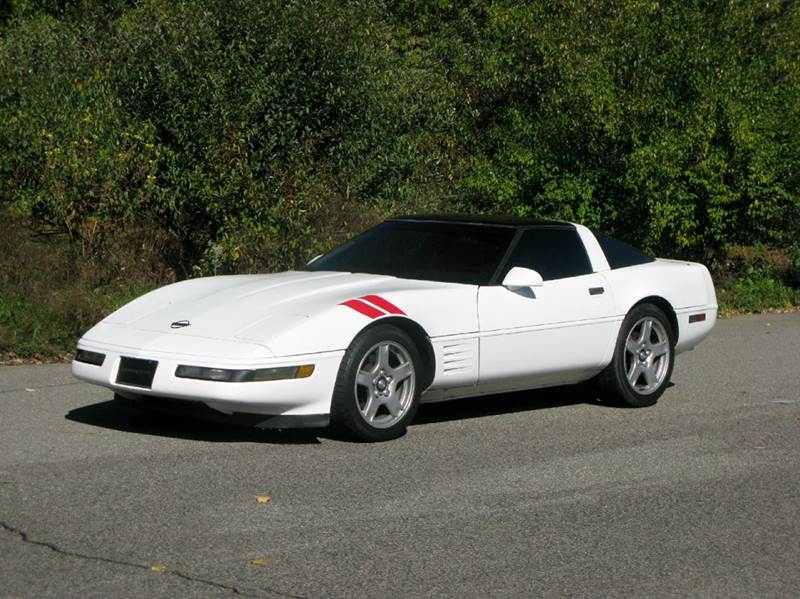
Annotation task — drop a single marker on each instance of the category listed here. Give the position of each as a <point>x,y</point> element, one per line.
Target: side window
<point>553,253</point>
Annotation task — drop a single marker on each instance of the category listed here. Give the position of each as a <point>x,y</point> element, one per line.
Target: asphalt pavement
<point>544,493</point>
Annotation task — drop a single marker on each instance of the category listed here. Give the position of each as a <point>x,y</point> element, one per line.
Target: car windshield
<point>433,251</point>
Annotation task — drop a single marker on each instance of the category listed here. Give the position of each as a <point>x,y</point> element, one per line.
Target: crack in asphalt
<point>23,536</point>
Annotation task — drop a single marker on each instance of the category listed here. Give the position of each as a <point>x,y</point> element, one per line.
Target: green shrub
<point>217,136</point>
<point>758,278</point>
<point>219,121</point>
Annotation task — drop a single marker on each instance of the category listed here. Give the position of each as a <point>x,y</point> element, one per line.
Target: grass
<point>758,279</point>
<point>751,294</point>
<point>47,328</point>
<point>30,329</point>
<point>51,293</point>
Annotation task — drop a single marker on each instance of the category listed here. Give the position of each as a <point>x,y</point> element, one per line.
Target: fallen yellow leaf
<point>263,498</point>
<point>161,568</point>
<point>259,562</point>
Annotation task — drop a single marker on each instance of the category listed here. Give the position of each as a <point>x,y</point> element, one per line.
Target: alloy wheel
<point>384,386</point>
<point>647,355</point>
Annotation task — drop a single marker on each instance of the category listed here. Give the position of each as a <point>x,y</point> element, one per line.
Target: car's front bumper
<point>299,397</point>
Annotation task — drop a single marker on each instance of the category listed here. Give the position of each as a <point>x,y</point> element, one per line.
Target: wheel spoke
<point>647,331</point>
<point>392,403</point>
<point>659,349</point>
<point>402,372</point>
<point>364,379</point>
<point>383,356</point>
<point>649,375</point>
<point>633,373</point>
<point>371,408</point>
<point>632,345</point>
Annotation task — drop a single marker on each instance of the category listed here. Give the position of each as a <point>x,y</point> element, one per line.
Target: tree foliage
<point>250,134</point>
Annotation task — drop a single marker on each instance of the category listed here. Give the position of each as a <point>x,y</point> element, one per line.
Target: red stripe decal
<point>382,303</point>
<point>363,307</point>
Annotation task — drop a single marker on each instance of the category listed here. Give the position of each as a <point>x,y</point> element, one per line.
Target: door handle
<point>596,290</point>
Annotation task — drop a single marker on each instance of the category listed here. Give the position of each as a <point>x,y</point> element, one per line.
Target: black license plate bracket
<point>136,372</point>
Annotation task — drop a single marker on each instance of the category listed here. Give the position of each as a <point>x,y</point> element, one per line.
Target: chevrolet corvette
<point>416,309</point>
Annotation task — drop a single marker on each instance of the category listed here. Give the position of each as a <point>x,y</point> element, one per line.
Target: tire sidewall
<point>345,414</point>
<point>628,394</point>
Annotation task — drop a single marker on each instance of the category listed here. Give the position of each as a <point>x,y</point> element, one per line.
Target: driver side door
<point>559,332</point>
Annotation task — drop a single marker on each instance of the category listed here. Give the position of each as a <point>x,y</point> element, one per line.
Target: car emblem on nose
<point>179,324</point>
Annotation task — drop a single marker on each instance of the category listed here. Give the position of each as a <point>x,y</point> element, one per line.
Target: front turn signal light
<point>303,372</point>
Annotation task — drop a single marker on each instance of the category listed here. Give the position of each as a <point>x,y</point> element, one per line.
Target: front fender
<point>438,312</point>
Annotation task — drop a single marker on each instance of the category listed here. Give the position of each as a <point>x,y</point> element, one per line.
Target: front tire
<point>377,389</point>
<point>644,357</point>
<point>127,402</point>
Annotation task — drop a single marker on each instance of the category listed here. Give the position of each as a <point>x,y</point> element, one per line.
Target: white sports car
<point>419,308</point>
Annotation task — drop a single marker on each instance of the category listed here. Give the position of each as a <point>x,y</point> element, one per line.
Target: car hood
<point>264,309</point>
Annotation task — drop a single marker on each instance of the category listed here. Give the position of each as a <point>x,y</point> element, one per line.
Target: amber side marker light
<point>697,318</point>
<point>305,371</point>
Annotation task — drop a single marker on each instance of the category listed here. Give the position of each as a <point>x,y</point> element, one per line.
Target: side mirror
<point>314,259</point>
<point>519,278</point>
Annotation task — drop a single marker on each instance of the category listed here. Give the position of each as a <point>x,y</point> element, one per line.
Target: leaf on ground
<point>160,568</point>
<point>263,498</point>
<point>29,390</point>
<point>258,562</point>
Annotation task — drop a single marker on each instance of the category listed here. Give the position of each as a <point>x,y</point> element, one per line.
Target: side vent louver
<point>458,357</point>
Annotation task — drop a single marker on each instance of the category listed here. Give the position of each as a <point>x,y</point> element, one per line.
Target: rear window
<point>620,255</point>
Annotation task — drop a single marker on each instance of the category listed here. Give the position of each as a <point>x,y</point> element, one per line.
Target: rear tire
<point>644,357</point>
<point>377,389</point>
